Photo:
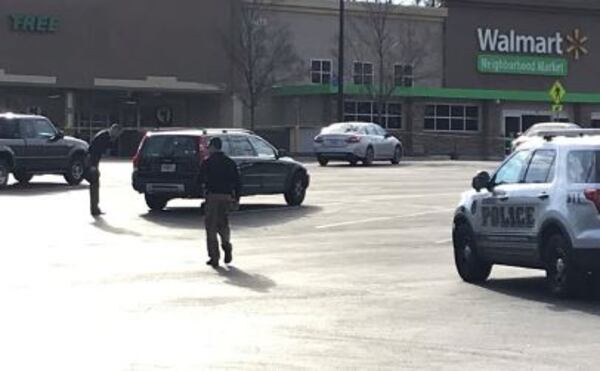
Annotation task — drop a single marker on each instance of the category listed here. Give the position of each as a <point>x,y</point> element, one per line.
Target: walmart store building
<point>467,75</point>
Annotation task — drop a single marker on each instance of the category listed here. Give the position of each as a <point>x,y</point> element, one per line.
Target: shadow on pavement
<point>238,277</point>
<point>36,189</point>
<point>534,289</point>
<point>101,224</point>
<point>249,216</point>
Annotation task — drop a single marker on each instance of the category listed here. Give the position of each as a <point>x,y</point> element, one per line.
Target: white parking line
<point>370,220</point>
<point>443,242</point>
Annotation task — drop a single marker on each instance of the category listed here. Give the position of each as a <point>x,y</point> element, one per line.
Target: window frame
<point>321,72</point>
<point>450,117</point>
<point>362,75</point>
<point>400,79</point>
<point>372,115</point>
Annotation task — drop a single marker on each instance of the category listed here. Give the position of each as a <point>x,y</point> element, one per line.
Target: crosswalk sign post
<point>557,93</point>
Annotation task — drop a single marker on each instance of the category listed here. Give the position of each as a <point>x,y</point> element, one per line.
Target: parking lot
<point>359,277</point>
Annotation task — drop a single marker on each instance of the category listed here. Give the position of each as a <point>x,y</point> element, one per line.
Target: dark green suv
<point>167,166</point>
<point>31,145</point>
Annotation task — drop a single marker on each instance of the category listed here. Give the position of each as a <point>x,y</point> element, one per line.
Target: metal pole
<point>340,82</point>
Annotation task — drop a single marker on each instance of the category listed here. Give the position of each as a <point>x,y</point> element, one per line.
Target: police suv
<point>540,209</point>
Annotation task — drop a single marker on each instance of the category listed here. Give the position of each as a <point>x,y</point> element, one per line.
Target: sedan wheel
<point>369,157</point>
<point>297,192</point>
<point>397,156</point>
<point>3,173</point>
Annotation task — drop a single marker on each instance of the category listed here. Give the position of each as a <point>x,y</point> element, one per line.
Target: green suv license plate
<point>168,168</point>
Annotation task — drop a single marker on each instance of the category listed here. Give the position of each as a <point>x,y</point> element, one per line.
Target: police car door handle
<point>543,196</point>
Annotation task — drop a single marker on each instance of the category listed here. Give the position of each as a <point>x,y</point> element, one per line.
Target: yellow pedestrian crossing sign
<point>557,93</point>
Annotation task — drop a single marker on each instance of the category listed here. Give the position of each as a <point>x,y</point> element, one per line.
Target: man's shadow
<point>254,282</point>
<point>101,224</point>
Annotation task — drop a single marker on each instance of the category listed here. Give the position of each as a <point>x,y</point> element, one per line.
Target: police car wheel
<point>468,264</point>
<point>296,193</point>
<point>156,203</point>
<point>23,177</point>
<point>563,277</point>
<point>4,172</point>
<point>397,156</point>
<point>76,171</point>
<point>369,157</point>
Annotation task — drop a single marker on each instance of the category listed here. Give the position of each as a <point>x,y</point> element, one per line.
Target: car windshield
<point>170,146</point>
<point>583,166</point>
<point>342,128</point>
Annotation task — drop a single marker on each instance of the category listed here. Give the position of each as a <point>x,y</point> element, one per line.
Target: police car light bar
<point>549,134</point>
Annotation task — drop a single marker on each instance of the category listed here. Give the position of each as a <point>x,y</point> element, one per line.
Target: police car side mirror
<point>481,180</point>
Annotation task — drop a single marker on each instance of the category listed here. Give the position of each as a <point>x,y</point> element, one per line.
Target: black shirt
<point>98,146</point>
<point>220,174</point>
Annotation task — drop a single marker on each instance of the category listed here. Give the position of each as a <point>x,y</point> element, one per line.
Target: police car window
<point>9,129</point>
<point>583,167</point>
<point>541,167</point>
<point>241,147</point>
<point>262,149</point>
<point>513,170</point>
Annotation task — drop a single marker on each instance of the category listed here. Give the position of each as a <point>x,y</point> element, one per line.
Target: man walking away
<point>222,184</point>
<point>99,145</point>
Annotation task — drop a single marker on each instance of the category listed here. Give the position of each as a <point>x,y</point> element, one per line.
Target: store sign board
<point>522,65</point>
<point>34,23</point>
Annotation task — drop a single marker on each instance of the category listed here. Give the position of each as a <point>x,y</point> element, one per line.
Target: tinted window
<point>512,171</point>
<point>170,146</point>
<point>9,129</point>
<point>38,129</point>
<point>541,168</point>
<point>583,167</point>
<point>262,148</point>
<point>240,147</point>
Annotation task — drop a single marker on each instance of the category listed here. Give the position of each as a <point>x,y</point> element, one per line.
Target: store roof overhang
<point>442,93</point>
<point>159,83</point>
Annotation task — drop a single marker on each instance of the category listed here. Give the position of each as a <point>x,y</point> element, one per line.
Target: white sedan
<point>356,141</point>
<point>536,129</point>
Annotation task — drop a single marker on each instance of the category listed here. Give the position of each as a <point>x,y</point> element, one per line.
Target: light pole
<point>340,82</point>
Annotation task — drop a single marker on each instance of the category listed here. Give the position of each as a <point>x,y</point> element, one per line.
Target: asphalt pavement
<point>359,277</point>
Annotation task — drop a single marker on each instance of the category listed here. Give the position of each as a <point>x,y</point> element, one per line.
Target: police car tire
<point>569,281</point>
<point>296,193</point>
<point>76,171</point>
<point>4,173</point>
<point>156,203</point>
<point>23,177</point>
<point>468,264</point>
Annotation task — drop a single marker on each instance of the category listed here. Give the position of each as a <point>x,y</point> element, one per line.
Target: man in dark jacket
<point>99,145</point>
<point>222,183</point>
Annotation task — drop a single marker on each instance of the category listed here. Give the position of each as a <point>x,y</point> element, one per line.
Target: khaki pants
<point>216,222</point>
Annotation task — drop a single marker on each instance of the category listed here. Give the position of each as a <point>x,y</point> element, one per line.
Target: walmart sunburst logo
<point>577,41</point>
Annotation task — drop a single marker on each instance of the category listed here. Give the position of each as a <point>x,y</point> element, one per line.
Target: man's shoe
<point>213,263</point>
<point>227,248</point>
<point>97,212</point>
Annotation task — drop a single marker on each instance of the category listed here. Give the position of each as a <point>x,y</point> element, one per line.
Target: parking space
<point>359,277</point>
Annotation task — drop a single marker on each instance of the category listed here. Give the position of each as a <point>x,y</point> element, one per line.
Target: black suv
<point>31,145</point>
<point>167,166</point>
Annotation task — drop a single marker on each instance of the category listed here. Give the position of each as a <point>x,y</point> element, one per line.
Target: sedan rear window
<point>583,166</point>
<point>170,146</point>
<point>342,128</point>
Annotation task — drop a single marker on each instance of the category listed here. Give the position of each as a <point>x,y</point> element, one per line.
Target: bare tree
<point>261,53</point>
<point>377,37</point>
